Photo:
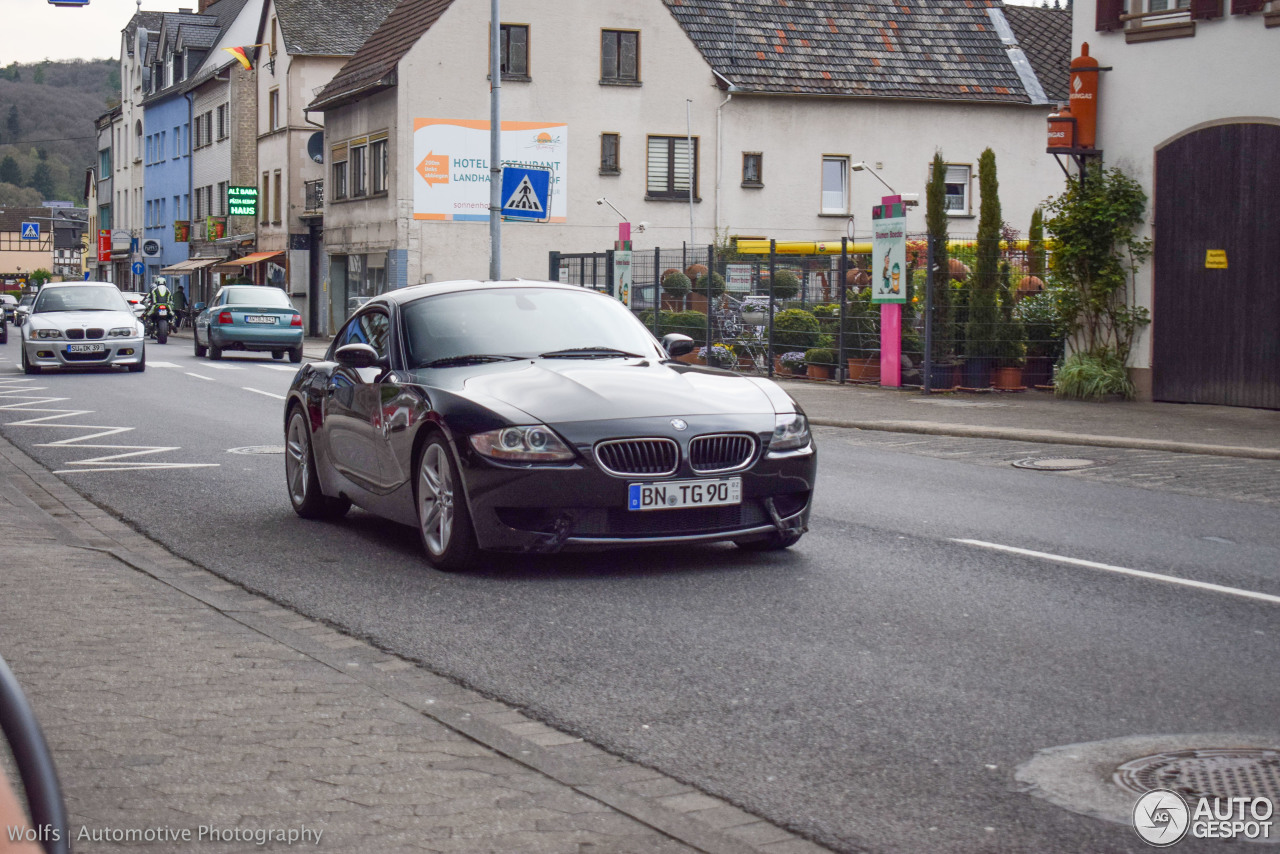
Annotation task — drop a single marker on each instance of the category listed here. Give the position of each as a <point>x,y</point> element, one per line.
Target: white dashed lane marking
<point>260,391</point>
<point>161,365</point>
<point>292,370</point>
<point>201,377</point>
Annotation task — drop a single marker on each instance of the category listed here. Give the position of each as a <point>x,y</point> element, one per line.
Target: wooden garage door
<point>1216,333</point>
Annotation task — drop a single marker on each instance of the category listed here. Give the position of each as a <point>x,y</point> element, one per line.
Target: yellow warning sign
<point>1215,259</point>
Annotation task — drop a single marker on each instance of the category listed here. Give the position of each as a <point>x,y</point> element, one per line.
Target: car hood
<point>561,390</point>
<point>82,319</point>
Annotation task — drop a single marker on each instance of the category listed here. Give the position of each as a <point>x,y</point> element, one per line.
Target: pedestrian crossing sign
<point>526,193</point>
<point>31,231</point>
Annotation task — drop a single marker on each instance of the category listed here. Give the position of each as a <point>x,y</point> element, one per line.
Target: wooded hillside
<point>47,136</point>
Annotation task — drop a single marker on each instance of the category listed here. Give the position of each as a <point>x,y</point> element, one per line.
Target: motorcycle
<point>156,322</point>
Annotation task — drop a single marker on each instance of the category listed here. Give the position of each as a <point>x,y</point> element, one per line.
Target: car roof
<point>48,285</point>
<point>413,292</point>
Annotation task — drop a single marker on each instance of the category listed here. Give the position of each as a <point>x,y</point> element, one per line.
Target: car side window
<point>376,328</point>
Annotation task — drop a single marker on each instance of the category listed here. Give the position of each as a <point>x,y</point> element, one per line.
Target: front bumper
<point>581,507</point>
<point>47,353</point>
<point>266,338</point>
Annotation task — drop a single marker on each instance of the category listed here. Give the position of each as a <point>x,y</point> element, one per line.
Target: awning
<point>255,258</point>
<point>190,265</point>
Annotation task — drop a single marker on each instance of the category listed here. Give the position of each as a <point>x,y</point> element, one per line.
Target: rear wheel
<point>295,355</point>
<point>215,352</point>
<point>444,523</point>
<point>162,330</point>
<point>200,349</point>
<point>303,482</point>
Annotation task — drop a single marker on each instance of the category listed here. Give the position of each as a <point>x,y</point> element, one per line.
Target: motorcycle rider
<point>158,295</point>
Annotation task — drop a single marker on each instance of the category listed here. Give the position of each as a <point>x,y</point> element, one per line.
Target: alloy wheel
<point>435,499</point>
<point>297,458</point>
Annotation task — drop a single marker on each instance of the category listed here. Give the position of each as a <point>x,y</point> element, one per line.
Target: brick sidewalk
<point>175,701</point>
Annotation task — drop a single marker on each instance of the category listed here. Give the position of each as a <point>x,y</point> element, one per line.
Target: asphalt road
<point>874,688</point>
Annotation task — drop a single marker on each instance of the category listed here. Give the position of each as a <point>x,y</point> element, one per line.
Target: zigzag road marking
<point>15,389</point>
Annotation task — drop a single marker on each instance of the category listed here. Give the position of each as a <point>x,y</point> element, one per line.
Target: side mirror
<point>676,344</point>
<point>198,307</point>
<point>357,356</point>
<point>20,316</point>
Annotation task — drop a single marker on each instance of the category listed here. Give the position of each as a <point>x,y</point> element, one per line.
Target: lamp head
<point>859,166</point>
<point>599,201</point>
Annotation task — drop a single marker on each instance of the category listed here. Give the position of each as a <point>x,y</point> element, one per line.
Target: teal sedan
<point>254,318</point>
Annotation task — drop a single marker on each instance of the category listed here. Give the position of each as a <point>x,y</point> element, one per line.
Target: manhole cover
<point>1225,773</point>
<point>257,449</point>
<point>1058,463</point>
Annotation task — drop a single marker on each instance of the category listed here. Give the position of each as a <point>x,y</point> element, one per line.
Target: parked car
<point>248,318</point>
<point>81,324</point>
<point>9,303</point>
<point>535,417</point>
<point>23,306</point>
<point>135,301</point>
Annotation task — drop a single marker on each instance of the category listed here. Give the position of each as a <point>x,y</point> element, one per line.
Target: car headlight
<point>790,432</point>
<point>121,332</point>
<point>532,444</point>
<point>48,333</point>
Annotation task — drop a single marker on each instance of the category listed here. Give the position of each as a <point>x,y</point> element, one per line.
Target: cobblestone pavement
<point>176,702</point>
<point>1231,478</point>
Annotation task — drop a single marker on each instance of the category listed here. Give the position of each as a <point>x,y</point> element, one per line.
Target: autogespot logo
<point>1161,817</point>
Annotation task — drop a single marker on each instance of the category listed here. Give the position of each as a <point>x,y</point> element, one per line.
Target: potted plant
<point>785,284</point>
<point>1011,338</point>
<point>1042,323</point>
<point>675,285</point>
<point>719,356</point>
<point>819,363</point>
<point>791,362</point>
<point>795,329</point>
<point>754,310</point>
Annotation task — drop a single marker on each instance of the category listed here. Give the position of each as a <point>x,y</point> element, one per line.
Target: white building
<point>1190,109</point>
<point>777,101</point>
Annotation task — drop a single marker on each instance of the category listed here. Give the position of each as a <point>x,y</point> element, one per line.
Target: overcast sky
<point>35,30</point>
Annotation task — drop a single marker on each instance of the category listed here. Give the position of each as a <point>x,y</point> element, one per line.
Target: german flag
<point>242,54</point>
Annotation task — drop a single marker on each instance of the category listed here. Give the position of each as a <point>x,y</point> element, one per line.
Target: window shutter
<point>1109,12</point>
<point>1246,7</point>
<point>1204,9</point>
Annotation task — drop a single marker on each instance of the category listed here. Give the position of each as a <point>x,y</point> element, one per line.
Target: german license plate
<point>674,494</point>
<point>86,348</point>
<point>259,318</point>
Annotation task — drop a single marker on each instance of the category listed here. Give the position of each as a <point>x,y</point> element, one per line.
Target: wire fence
<point>818,321</point>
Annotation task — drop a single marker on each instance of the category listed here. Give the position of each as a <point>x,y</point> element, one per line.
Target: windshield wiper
<point>589,353</point>
<point>472,359</point>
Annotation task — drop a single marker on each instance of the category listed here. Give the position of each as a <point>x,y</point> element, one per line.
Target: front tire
<point>301,478</point>
<point>444,522</point>
<point>27,367</point>
<point>142,363</point>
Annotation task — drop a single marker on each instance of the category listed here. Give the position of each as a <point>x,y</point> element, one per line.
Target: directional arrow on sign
<point>434,168</point>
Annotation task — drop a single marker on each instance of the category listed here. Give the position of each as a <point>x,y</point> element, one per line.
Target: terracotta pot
<point>1007,379</point>
<point>819,372</point>
<point>691,358</point>
<point>864,370</point>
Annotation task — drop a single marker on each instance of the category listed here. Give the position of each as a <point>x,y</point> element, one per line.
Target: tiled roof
<point>11,219</point>
<point>378,56</point>
<point>328,27</point>
<point>1045,37</point>
<point>196,37</point>
<point>936,50</point>
<point>145,20</point>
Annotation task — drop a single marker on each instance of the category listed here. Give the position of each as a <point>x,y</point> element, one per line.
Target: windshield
<point>80,298</point>
<point>519,321</point>
<point>260,295</point>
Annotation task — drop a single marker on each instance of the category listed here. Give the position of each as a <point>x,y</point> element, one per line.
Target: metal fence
<point>818,320</point>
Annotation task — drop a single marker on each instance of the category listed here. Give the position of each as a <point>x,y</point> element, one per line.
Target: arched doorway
<point>1216,331</point>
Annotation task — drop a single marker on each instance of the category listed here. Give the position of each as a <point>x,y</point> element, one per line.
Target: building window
<point>220,204</point>
<point>339,158</point>
<point>200,209</point>
<point>359,180</point>
<point>609,154</point>
<point>222,121</point>
<point>671,170</point>
<point>378,165</point>
<point>277,202</point>
<point>104,164</point>
<point>515,51</point>
<point>273,109</point>
<point>958,201</point>
<point>752,169</point>
<point>835,185</point>
<point>265,210</point>
<point>619,56</point>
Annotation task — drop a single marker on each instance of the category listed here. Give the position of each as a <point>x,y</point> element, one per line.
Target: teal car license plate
<point>260,318</point>
<point>674,494</point>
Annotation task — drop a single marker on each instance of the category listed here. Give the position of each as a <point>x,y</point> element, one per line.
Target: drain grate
<point>1223,773</point>
<point>257,449</point>
<point>1058,463</point>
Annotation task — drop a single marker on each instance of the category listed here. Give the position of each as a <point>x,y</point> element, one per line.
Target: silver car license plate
<point>674,494</point>
<point>259,318</point>
<point>86,348</point>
